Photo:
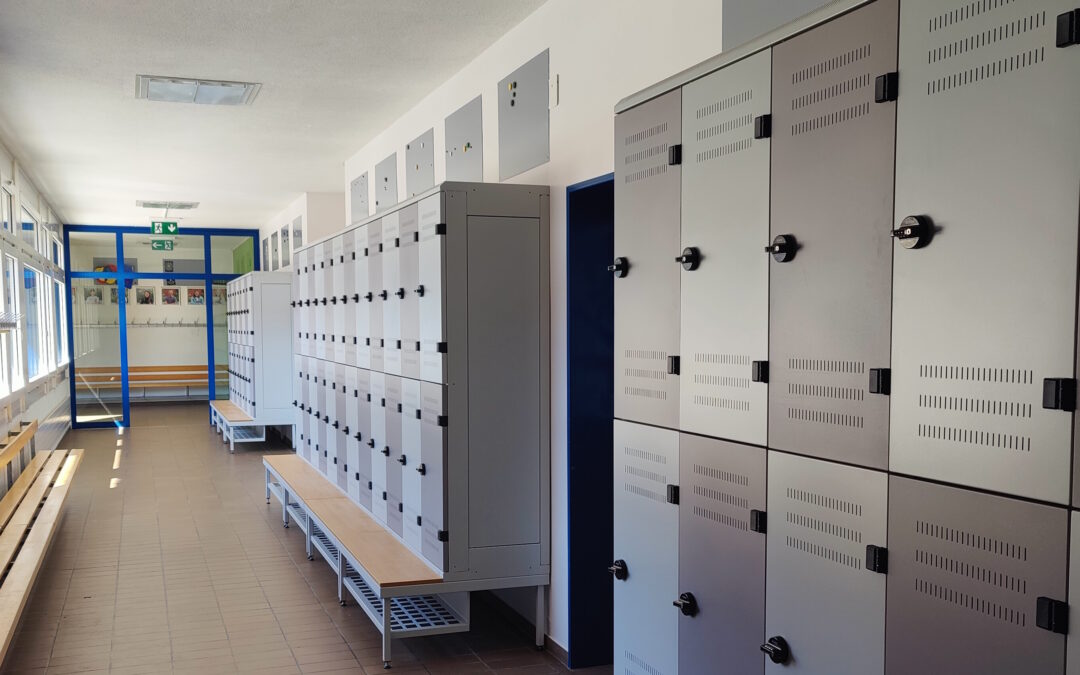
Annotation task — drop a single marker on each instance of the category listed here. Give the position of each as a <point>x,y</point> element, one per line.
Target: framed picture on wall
<point>285,246</point>
<point>273,251</point>
<point>144,295</point>
<point>196,296</point>
<point>170,296</point>
<point>219,295</point>
<point>92,296</point>
<point>298,232</point>
<point>114,296</point>
<point>266,254</point>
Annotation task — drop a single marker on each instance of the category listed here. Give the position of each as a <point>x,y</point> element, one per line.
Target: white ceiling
<point>333,74</point>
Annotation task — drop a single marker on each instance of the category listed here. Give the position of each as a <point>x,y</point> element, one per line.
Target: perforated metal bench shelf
<point>297,515</point>
<point>410,616</point>
<point>325,547</point>
<point>244,434</point>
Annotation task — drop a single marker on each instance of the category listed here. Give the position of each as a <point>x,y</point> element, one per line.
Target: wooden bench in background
<point>234,425</point>
<point>146,378</point>
<point>30,514</point>
<point>398,590</point>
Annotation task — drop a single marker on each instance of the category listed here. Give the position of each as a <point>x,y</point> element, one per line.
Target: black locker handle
<point>385,450</point>
<point>619,268</point>
<point>384,295</point>
<point>619,570</point>
<point>914,232</point>
<point>690,258</point>
<point>371,442</point>
<point>401,460</point>
<point>421,469</point>
<point>400,293</point>
<point>777,650</point>
<point>782,248</point>
<point>419,290</point>
<point>687,604</point>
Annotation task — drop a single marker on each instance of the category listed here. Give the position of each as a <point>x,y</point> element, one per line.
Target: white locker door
<point>329,413</point>
<point>326,310</point>
<point>313,412</point>
<point>337,297</point>
<point>318,315</point>
<point>646,546</point>
<point>391,278</point>
<point>407,292</point>
<point>351,433</point>
<point>347,298</point>
<point>363,411</point>
<point>394,506</point>
<point>820,596</point>
<point>375,288</point>
<point>297,306</point>
<point>432,266</point>
<point>320,414</point>
<point>301,393</point>
<point>340,424</point>
<point>432,473</point>
<point>362,298</point>
<point>377,443</point>
<point>412,455</point>
<point>309,298</point>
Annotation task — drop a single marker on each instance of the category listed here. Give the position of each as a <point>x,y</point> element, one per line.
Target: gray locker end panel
<point>524,129</point>
<point>965,572</point>
<point>386,193</point>
<point>504,431</point>
<point>420,163</point>
<point>725,216</point>
<point>465,142</point>
<point>358,198</point>
<point>721,560</point>
<point>745,20</point>
<point>832,186</point>
<point>819,595</point>
<point>986,310</point>
<point>1072,655</point>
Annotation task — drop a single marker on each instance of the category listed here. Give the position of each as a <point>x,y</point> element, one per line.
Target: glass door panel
<point>95,312</point>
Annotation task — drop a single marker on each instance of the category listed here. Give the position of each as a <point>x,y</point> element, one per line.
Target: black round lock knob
<point>619,268</point>
<point>914,231</point>
<point>782,248</point>
<point>690,258</point>
<point>777,650</point>
<point>687,604</point>
<point>618,570</point>
<point>419,290</point>
<point>401,460</point>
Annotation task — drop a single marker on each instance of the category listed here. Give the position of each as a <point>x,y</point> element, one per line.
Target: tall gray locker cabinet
<point>832,182</point>
<point>647,177</point>
<point>987,168</point>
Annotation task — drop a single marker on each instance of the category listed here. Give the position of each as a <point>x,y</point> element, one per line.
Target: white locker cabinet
<point>323,402</point>
<point>832,182</point>
<point>722,525</point>
<point>336,294</point>
<point>260,342</point>
<point>303,404</point>
<point>645,572</point>
<point>348,299</point>
<point>450,290</point>
<point>725,281</point>
<point>321,318</point>
<point>1072,655</point>
<point>827,522</point>
<point>647,188</point>
<point>984,313</point>
<point>976,582</point>
<point>340,425</point>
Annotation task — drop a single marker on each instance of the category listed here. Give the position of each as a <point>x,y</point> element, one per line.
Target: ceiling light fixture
<point>186,90</point>
<point>176,206</point>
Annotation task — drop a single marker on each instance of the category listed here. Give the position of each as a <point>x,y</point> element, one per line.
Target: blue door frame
<point>122,276</point>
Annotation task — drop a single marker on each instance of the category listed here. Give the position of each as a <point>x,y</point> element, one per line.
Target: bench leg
<point>268,486</point>
<point>307,539</point>
<point>386,633</point>
<point>340,578</point>
<point>285,506</point>
<point>541,616</point>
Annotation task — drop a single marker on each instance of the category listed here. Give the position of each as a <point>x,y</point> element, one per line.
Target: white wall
<point>602,50</point>
<point>322,214</point>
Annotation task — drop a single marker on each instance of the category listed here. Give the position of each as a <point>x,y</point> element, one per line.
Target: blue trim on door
<point>121,287</point>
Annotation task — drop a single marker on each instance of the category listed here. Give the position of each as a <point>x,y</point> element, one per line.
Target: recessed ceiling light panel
<point>174,206</point>
<point>186,90</point>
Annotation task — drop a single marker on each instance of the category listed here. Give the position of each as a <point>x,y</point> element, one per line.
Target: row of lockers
<point>372,297</point>
<point>242,377</point>
<point>239,318</point>
<point>826,568</point>
<point>382,440</point>
<point>860,244</point>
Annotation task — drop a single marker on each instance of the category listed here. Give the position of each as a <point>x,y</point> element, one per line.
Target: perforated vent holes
<point>824,526</point>
<point>723,127</point>
<point>649,161</point>
<point>720,496</point>
<point>645,474</point>
<point>817,382</point>
<point>833,91</point>
<point>647,370</point>
<point>721,381</point>
<point>640,665</point>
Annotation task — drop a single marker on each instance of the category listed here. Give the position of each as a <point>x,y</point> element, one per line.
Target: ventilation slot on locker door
<point>832,91</point>
<point>643,666</point>
<point>645,474</point>
<point>650,161</point>
<point>728,136</point>
<point>717,505</point>
<point>817,393</point>
<point>853,89</point>
<point>647,366</point>
<point>720,388</point>
<point>812,515</point>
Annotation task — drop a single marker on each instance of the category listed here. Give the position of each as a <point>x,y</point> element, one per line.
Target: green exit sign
<point>164,227</point>
<point>161,244</point>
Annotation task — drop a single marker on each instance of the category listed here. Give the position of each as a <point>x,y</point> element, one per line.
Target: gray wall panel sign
<point>647,200</point>
<point>358,198</point>
<point>721,556</point>
<point>967,571</point>
<point>745,20</point>
<point>832,183</point>
<point>646,541</point>
<point>984,311</point>
<point>820,596</point>
<point>386,193</point>
<point>420,163</point>
<point>725,217</point>
<point>524,129</point>
<point>465,142</point>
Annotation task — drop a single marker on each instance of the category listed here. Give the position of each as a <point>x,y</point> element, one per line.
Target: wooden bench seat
<point>187,377</point>
<point>234,425</point>
<point>30,514</point>
<point>387,579</point>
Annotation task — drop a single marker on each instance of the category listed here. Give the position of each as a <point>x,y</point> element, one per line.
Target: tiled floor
<point>170,561</point>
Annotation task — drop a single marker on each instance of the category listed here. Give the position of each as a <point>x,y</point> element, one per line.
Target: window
<point>36,362</point>
<point>11,305</point>
<point>5,209</point>
<point>29,228</point>
<point>59,310</point>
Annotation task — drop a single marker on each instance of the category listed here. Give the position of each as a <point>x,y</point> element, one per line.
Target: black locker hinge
<point>673,365</point>
<point>443,535</point>
<point>881,381</point>
<point>441,347</point>
<point>400,507</point>
<point>1068,28</point>
<point>758,521</point>
<point>419,521</point>
<point>368,484</point>
<point>440,228</point>
<point>886,87</point>
<point>1052,615</point>
<point>442,420</point>
<point>384,495</point>
<point>674,154</point>
<point>763,126</point>
<point>673,494</point>
<point>1059,393</point>
<point>877,559</point>
<point>759,371</point>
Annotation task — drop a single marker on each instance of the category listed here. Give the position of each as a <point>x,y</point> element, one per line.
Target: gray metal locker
<point>725,281</point>
<point>362,403</point>
<point>432,473</point>
<point>647,186</point>
<point>432,282</point>
<point>300,390</point>
<point>976,582</point>
<point>411,444</point>
<point>391,304</point>
<point>393,453</point>
<point>322,407</point>
<point>832,182</point>
<point>988,162</point>
<point>375,289</point>
<point>377,443</point>
<point>347,298</point>
<point>336,348</point>
<point>362,298</point>
<point>646,545</point>
<point>339,423</point>
<point>407,293</point>
<point>1072,653</point>
<point>822,599</point>
<point>351,433</point>
<point>721,556</point>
